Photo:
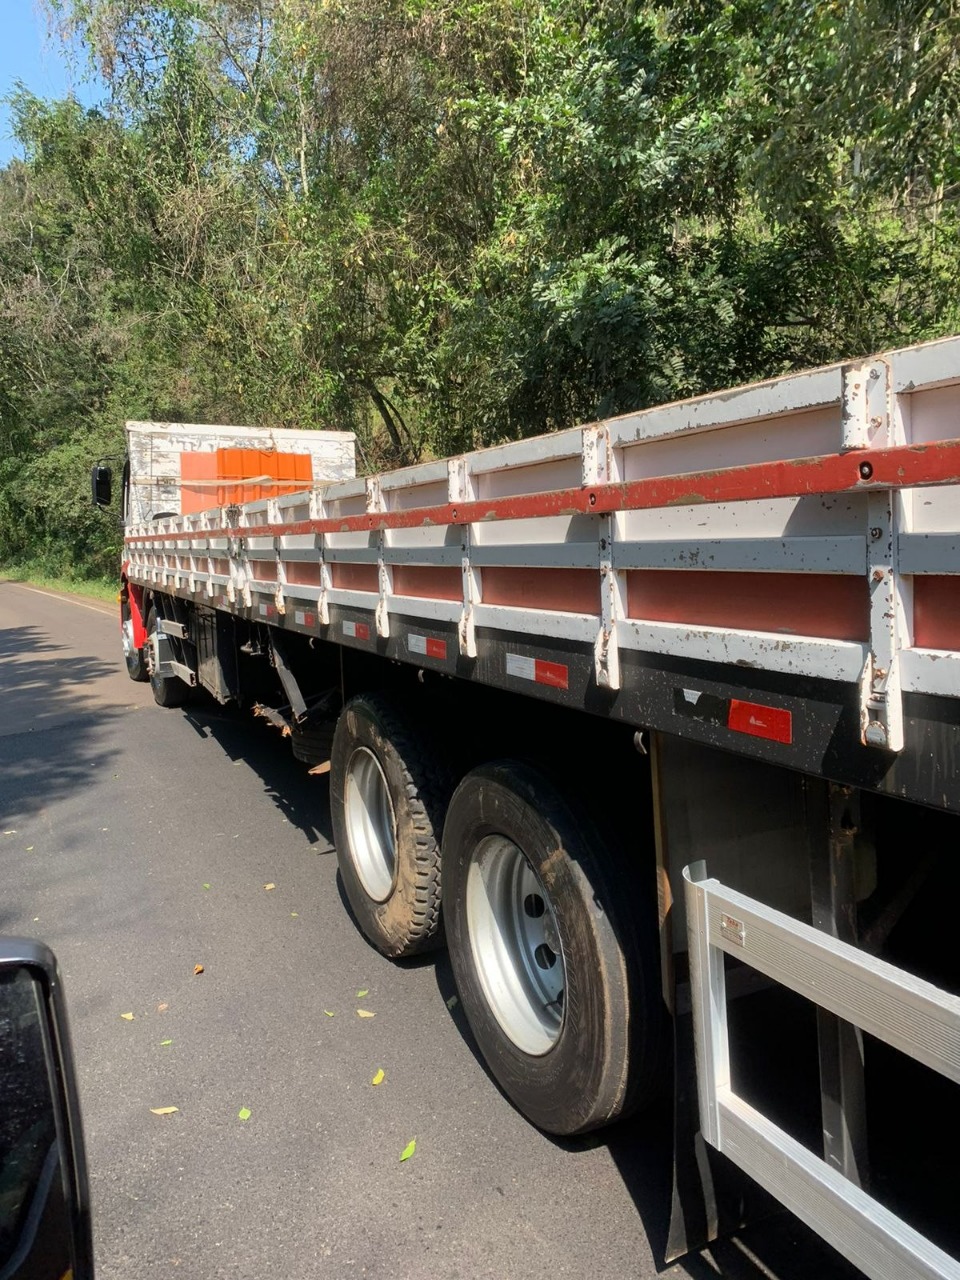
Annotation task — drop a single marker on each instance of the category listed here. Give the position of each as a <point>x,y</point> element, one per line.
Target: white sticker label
<point>300,617</point>
<point>525,668</point>
<point>417,644</point>
<point>350,629</point>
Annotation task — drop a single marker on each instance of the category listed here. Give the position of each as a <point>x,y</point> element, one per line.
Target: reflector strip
<point>554,674</point>
<point>267,610</point>
<point>427,645</point>
<point>359,630</point>
<point>304,619</point>
<point>760,721</point>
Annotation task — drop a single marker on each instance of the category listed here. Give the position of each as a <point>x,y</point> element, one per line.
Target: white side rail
<point>907,1013</point>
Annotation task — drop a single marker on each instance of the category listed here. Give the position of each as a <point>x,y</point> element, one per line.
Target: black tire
<point>134,659</point>
<point>376,732</point>
<point>313,743</point>
<point>608,1050</point>
<point>168,691</point>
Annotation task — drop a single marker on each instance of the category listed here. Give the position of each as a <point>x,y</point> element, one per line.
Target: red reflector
<point>759,721</point>
<point>436,648</point>
<point>554,674</point>
<point>363,631</point>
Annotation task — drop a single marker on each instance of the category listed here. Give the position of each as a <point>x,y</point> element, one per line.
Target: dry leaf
<point>164,1111</point>
<point>379,1077</point>
<point>320,768</point>
<point>294,914</point>
<point>365,1013</point>
<point>329,1013</point>
<point>197,969</point>
<point>361,994</point>
<point>452,1002</point>
<point>127,1017</point>
<point>29,848</point>
<point>162,1008</point>
<point>165,1042</point>
<point>206,886</point>
<point>268,887</point>
<point>409,1149</point>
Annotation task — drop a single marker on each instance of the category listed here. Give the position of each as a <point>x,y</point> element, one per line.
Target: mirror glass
<point>35,1223</point>
<point>101,483</point>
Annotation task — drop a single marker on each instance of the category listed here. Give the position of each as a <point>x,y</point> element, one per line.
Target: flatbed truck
<point>646,721</point>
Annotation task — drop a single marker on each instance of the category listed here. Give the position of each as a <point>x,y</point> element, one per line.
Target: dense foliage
<point>443,223</point>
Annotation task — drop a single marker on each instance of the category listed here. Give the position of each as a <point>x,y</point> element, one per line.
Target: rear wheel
<point>388,793</point>
<point>168,691</point>
<point>557,975</point>
<point>133,657</point>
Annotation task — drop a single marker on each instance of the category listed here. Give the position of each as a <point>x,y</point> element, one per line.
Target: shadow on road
<point>302,798</point>
<point>51,736</point>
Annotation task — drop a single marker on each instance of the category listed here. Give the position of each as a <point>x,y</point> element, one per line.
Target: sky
<point>28,54</point>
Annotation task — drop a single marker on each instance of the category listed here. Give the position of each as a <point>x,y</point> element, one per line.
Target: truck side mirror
<point>101,484</point>
<point>44,1196</point>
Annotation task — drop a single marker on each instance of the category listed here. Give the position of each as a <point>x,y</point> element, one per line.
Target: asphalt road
<point>140,843</point>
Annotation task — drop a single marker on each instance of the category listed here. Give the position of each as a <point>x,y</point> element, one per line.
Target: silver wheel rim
<point>371,825</point>
<point>126,637</point>
<point>516,945</point>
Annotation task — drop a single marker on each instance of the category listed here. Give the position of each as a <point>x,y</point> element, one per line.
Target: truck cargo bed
<point>770,570</point>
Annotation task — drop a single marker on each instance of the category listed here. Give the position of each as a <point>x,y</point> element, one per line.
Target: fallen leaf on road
<point>295,914</point>
<point>197,969</point>
<point>409,1149</point>
<point>320,768</point>
<point>361,994</point>
<point>365,1013</point>
<point>206,886</point>
<point>29,848</point>
<point>164,1111</point>
<point>10,833</point>
<point>127,1017</point>
<point>452,1002</point>
<point>244,1113</point>
<point>268,887</point>
<point>162,1008</point>
<point>329,1013</point>
<point>379,1077</point>
<point>163,1043</point>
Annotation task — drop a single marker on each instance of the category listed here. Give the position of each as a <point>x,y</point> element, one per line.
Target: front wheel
<point>559,981</point>
<point>132,656</point>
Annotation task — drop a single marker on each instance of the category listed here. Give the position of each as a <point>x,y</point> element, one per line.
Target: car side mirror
<point>44,1194</point>
<point>101,484</point>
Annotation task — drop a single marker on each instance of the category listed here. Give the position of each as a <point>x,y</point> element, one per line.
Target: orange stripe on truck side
<point>836,607</point>
<point>936,611</point>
